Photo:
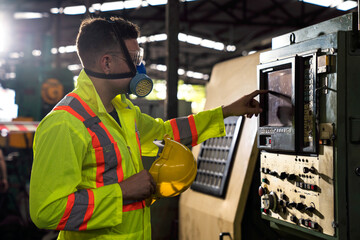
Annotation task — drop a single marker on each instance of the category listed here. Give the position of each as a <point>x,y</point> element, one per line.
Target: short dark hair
<point>96,37</point>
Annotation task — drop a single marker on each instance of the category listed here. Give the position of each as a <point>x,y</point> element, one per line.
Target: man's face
<point>121,66</point>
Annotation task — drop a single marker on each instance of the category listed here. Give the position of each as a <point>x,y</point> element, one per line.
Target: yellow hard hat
<point>174,170</point>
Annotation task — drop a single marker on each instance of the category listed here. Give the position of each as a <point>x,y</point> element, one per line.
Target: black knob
<point>293,218</point>
<point>282,203</point>
<point>283,196</point>
<point>283,175</point>
<point>306,170</point>
<point>299,206</point>
<point>292,204</point>
<point>312,170</point>
<point>291,177</point>
<point>273,173</point>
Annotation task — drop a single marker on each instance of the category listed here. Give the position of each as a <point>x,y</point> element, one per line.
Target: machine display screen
<point>280,108</point>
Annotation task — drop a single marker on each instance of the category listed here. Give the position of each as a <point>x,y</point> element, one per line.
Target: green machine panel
<point>309,132</point>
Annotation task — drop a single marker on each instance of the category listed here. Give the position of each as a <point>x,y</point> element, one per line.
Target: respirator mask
<point>140,84</point>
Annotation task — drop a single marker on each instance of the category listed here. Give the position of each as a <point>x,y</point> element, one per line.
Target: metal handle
<point>221,235</point>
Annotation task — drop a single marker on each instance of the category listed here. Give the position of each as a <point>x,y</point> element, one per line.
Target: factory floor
<point>15,223</point>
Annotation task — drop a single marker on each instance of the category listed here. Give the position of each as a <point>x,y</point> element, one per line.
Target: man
<point>87,178</point>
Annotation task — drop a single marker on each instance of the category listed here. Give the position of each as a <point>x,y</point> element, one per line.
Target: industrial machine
<point>302,155</point>
<point>309,132</point>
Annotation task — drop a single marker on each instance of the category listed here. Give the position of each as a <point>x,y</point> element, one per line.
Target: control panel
<point>309,103</point>
<point>299,189</point>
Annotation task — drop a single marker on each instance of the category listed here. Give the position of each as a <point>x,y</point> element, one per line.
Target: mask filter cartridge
<point>141,85</point>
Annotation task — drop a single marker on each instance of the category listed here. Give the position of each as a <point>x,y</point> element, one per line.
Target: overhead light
<point>157,2</point>
<point>95,7</point>
<point>15,55</point>
<point>132,4</point>
<point>181,71</point>
<point>193,40</point>
<point>323,3</point>
<point>192,74</point>
<point>29,15</point>
<point>4,33</point>
<point>347,5</point>
<point>36,53</point>
<point>230,48</point>
<point>74,67</point>
<point>158,37</point>
<point>112,6</point>
<point>343,5</point>
<point>75,10</point>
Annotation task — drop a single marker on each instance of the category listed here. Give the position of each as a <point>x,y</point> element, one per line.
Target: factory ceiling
<point>233,27</point>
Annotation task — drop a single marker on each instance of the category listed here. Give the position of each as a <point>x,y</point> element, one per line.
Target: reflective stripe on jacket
<point>81,153</point>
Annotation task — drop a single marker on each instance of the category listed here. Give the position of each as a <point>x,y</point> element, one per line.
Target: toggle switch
<point>310,209</point>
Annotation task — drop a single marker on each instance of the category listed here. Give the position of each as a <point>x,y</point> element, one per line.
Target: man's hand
<point>246,105</point>
<point>138,187</point>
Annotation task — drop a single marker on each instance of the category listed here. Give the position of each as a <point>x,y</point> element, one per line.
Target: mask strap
<point>109,76</point>
<point>123,47</point>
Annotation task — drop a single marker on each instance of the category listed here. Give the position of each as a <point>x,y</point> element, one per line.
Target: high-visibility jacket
<point>81,154</point>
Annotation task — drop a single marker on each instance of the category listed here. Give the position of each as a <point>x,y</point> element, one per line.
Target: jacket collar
<point>86,90</point>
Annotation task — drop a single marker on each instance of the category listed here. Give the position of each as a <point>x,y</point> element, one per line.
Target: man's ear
<point>105,63</point>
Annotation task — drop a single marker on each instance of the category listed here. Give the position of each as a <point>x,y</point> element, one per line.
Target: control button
<point>313,187</point>
<point>267,170</point>
<point>291,177</point>
<point>265,180</point>
<point>263,170</point>
<point>293,218</point>
<point>306,169</point>
<point>264,210</point>
<point>283,175</point>
<point>261,191</point>
<point>299,206</point>
<point>302,221</point>
<point>314,225</point>
<point>307,222</point>
<point>300,184</point>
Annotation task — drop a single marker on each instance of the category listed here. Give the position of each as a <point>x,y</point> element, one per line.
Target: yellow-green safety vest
<point>81,154</point>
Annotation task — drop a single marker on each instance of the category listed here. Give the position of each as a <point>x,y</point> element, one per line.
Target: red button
<point>261,191</point>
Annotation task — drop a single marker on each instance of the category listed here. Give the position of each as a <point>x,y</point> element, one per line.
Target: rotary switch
<point>269,201</point>
<point>283,175</point>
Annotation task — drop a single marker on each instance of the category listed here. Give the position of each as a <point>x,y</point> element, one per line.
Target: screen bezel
<point>263,71</point>
<point>283,137</point>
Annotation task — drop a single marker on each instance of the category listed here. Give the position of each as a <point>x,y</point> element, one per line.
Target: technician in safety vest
<point>87,178</point>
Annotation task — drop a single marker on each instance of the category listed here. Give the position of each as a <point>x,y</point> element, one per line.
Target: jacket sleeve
<point>190,131</point>
<point>58,197</point>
